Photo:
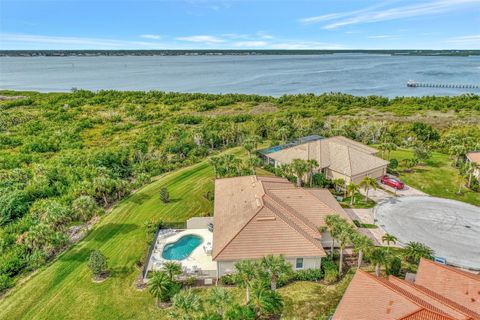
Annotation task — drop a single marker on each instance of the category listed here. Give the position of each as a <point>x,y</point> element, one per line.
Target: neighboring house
<point>474,158</point>
<point>437,293</point>
<point>338,157</point>
<point>258,216</point>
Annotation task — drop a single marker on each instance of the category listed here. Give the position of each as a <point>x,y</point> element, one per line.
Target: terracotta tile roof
<point>340,154</point>
<point>425,315</point>
<point>456,285</point>
<point>365,297</point>
<point>474,156</point>
<point>256,216</point>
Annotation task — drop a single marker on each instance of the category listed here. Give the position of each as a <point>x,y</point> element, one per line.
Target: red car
<point>392,182</point>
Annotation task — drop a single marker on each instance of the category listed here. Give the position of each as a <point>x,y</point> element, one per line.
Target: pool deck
<point>199,258</point>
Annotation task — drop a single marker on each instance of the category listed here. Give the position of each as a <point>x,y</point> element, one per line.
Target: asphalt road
<point>449,227</point>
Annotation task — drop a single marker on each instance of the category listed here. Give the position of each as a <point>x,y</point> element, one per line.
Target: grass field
<point>64,290</point>
<point>436,177</point>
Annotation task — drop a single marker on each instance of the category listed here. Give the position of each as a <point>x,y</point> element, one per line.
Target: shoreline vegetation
<point>86,53</point>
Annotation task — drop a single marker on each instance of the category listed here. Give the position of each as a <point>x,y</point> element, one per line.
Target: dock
<point>415,84</point>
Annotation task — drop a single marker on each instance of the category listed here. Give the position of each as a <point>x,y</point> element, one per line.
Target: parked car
<point>392,182</point>
<point>210,227</point>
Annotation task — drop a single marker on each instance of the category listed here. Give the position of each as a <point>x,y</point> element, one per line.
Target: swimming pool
<point>181,248</point>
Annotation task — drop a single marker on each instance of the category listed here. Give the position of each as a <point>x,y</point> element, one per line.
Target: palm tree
<point>220,298</point>
<point>246,272</point>
<point>275,266</point>
<point>367,183</point>
<point>266,303</point>
<point>378,257</point>
<point>252,163</point>
<point>215,163</point>
<point>416,250</point>
<point>187,301</point>
<point>249,145</point>
<point>390,146</point>
<point>362,245</point>
<point>344,237</point>
<point>332,222</point>
<point>387,237</point>
<point>160,286</point>
<point>173,269</point>
<point>284,132</point>
<point>311,165</point>
<point>352,188</point>
<point>299,168</point>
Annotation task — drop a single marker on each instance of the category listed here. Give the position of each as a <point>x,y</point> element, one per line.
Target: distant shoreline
<point>90,53</point>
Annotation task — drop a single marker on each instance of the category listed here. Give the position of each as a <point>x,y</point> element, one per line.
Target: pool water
<point>181,248</point>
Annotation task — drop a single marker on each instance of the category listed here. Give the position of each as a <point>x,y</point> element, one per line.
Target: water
<point>181,248</point>
<point>357,74</point>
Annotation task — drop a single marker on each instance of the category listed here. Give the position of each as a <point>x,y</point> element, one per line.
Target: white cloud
<point>150,36</point>
<point>470,42</point>
<point>13,40</point>
<point>202,38</point>
<point>373,14</point>
<point>384,36</point>
<point>250,44</point>
<point>305,45</point>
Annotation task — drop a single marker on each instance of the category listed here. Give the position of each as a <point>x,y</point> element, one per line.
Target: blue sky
<point>241,24</point>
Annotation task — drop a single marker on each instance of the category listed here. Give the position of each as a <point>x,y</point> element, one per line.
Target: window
<point>299,263</point>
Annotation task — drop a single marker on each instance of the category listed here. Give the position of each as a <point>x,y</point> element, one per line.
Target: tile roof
<point>340,154</point>
<point>474,156</point>
<point>255,216</point>
<point>431,297</point>
<point>458,286</point>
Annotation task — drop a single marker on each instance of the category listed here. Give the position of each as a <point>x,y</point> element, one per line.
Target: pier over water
<point>415,84</point>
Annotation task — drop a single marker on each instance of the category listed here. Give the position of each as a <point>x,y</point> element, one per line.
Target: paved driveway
<point>384,192</point>
<point>451,228</point>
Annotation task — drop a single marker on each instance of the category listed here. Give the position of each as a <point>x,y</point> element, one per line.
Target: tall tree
<point>388,238</point>
<point>352,189</point>
<point>299,168</point>
<point>275,266</point>
<point>333,226</point>
<point>362,245</point>
<point>246,272</point>
<point>378,257</point>
<point>368,183</point>
<point>311,165</point>
<point>416,250</point>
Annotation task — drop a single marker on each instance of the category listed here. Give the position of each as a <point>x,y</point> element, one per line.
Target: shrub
<point>393,165</point>
<point>84,207</point>
<point>98,264</point>
<point>330,271</point>
<point>308,275</point>
<point>164,195</point>
<point>5,282</point>
<point>227,280</point>
<point>320,180</point>
<point>394,266</point>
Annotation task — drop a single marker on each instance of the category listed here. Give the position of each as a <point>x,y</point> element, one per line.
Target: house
<point>258,216</point>
<point>438,292</point>
<point>474,158</point>
<point>338,157</point>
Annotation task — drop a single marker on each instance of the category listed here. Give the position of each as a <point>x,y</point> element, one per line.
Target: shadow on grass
<point>69,263</point>
<point>140,198</point>
<point>119,272</point>
<point>109,230</point>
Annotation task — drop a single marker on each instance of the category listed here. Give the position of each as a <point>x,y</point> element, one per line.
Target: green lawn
<point>436,177</point>
<point>64,290</point>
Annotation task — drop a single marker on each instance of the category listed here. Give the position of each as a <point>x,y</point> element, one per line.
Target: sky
<point>239,24</point>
